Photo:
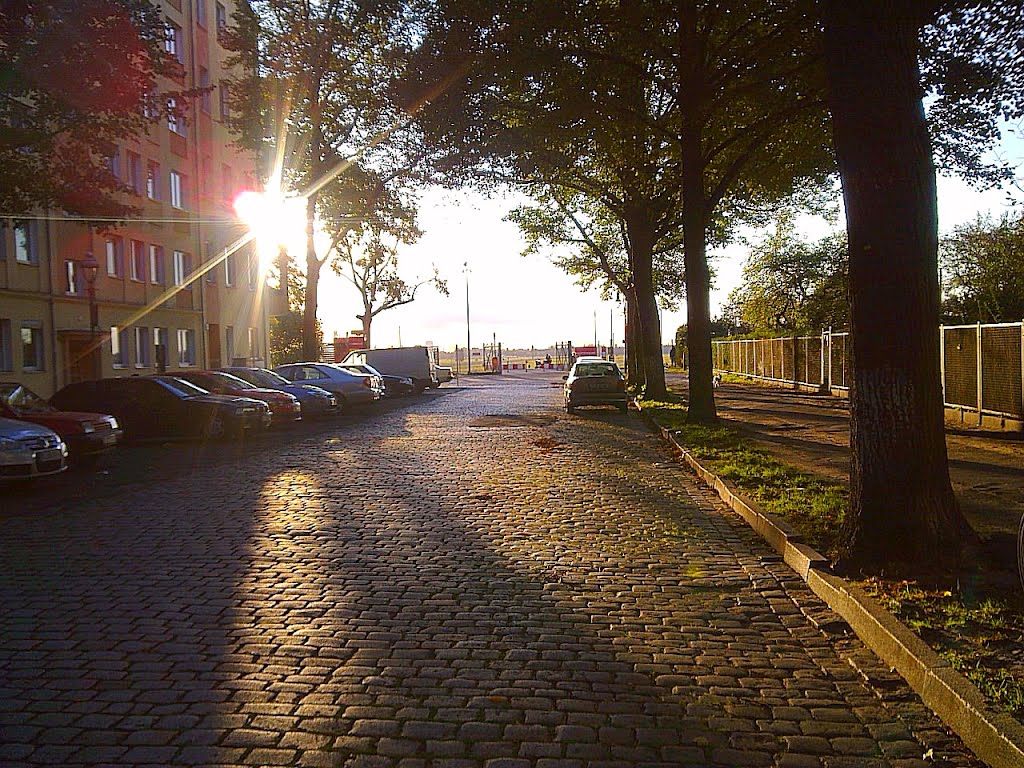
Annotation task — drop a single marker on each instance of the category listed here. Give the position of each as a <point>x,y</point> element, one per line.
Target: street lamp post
<point>90,267</point>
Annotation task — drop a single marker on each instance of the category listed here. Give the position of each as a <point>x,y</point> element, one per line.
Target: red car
<point>283,407</point>
<point>88,435</point>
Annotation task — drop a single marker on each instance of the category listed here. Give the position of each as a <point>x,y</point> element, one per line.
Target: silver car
<point>348,387</point>
<point>30,450</point>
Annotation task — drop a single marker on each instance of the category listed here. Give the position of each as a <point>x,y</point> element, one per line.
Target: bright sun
<point>274,221</point>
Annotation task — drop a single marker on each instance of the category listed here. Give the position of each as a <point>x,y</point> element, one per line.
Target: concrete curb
<point>996,738</point>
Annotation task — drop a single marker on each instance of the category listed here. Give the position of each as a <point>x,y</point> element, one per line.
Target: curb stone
<point>995,737</point>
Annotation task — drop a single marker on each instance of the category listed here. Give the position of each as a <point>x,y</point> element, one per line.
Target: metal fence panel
<point>960,353</point>
<point>1000,369</point>
<point>840,361</point>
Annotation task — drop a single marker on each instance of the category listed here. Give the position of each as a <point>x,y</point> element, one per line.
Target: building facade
<point>167,290</point>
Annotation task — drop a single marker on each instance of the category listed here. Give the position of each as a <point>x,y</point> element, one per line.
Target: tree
<point>371,265</point>
<point>319,90</point>
<point>286,329</point>
<point>78,77</point>
<point>589,242</point>
<point>983,269</point>
<point>792,285</point>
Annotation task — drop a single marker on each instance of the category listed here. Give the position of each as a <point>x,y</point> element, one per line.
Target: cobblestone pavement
<point>477,579</point>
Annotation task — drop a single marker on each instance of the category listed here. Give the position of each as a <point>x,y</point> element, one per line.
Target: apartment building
<point>165,293</point>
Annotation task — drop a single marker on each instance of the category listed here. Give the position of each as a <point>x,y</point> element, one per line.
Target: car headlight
<point>113,423</point>
<point>11,448</point>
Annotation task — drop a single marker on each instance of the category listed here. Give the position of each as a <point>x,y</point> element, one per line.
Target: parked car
<point>87,435</point>
<point>349,388</point>
<point>595,381</point>
<point>442,374</point>
<point>164,406</point>
<point>394,386</point>
<point>316,402</point>
<point>30,450</point>
<point>284,408</point>
<point>411,362</point>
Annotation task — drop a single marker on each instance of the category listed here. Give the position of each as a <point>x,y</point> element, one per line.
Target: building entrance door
<point>81,358</point>
<point>213,345</point>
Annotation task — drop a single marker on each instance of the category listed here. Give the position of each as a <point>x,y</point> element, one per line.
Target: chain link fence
<point>981,364</point>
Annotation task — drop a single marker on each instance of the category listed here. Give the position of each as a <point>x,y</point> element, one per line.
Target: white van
<point>412,362</point>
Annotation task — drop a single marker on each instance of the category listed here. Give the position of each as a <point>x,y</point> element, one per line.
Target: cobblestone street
<point>475,578</point>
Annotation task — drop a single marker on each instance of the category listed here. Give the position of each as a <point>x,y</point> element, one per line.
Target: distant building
<point>165,294</point>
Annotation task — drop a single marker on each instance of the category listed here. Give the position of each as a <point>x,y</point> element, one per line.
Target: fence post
<point>980,380</point>
<point>942,362</point>
<point>829,358</point>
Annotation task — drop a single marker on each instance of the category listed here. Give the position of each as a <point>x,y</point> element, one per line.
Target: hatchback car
<point>350,388</point>
<point>283,407</point>
<point>316,402</point>
<point>595,381</point>
<point>29,450</point>
<point>393,386</point>
<point>165,407</point>
<point>87,435</point>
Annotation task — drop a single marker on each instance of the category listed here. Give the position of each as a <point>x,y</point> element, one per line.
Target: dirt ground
<point>811,431</point>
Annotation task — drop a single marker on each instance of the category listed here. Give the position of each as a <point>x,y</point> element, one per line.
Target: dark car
<point>87,435</point>
<point>165,407</point>
<point>283,407</point>
<point>394,386</point>
<point>316,402</point>
<point>593,381</point>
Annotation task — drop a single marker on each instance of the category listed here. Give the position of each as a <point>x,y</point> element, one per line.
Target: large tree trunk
<point>367,320</point>
<point>633,364</point>
<point>902,508</point>
<point>701,408</point>
<point>650,359</point>
<point>310,347</point>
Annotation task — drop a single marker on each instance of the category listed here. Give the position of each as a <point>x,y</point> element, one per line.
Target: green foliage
<point>76,78</point>
<point>791,285</point>
<point>813,506</point>
<point>286,338</point>
<point>983,270</point>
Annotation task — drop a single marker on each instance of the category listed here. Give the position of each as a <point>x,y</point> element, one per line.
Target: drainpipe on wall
<point>201,248</point>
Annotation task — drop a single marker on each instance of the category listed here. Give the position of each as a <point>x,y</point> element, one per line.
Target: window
<point>177,189</point>
<point>186,346</point>
<point>115,256</point>
<point>114,163</point>
<point>201,13</point>
<point>26,247</point>
<point>229,270</point>
<point>6,353</point>
<point>182,267</point>
<point>156,264</point>
<point>175,121</point>
<point>254,343</point>
<point>229,345</point>
<point>119,346</point>
<point>254,270</point>
<point>227,181</point>
<point>160,347</point>
<point>205,99</point>
<point>142,348</point>
<point>172,42</point>
<point>222,19</point>
<point>134,172</point>
<point>224,94</point>
<point>73,277</point>
<point>32,346</point>
<point>137,261</point>
<point>153,180</point>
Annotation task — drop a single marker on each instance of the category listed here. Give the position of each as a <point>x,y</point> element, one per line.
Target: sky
<point>524,302</point>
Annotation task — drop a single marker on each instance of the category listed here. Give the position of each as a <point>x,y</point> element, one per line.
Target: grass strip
<point>979,636</point>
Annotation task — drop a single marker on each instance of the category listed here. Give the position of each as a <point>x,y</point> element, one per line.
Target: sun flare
<point>274,220</point>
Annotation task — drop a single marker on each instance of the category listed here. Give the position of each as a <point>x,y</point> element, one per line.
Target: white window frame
<point>182,267</point>
<point>73,277</point>
<point>114,247</point>
<point>156,264</point>
<point>176,182</point>
<point>172,41</point>
<point>133,161</point>
<point>229,270</point>
<point>161,339</point>
<point>26,247</point>
<point>118,347</point>
<point>153,180</point>
<point>137,261</point>
<point>186,347</point>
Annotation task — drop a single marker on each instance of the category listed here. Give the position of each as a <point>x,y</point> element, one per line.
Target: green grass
<point>977,637</point>
<point>813,506</point>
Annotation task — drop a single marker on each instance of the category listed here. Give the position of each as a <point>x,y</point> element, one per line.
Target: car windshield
<point>230,380</point>
<point>267,378</point>
<point>23,401</point>
<point>179,387</point>
<point>597,369</point>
